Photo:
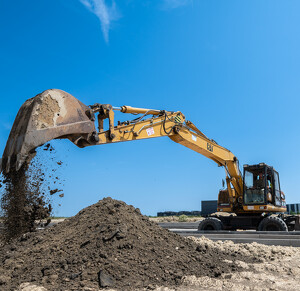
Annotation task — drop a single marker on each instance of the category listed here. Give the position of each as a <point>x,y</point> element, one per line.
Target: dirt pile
<point>25,194</point>
<point>109,244</point>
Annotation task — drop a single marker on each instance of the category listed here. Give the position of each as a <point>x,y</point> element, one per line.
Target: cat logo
<point>210,147</point>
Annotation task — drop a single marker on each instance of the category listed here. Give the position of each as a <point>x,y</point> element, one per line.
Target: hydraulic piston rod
<point>129,109</point>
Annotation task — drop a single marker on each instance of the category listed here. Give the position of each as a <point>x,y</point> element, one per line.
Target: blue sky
<point>232,67</point>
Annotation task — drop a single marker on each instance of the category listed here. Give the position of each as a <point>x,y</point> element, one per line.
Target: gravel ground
<point>279,269</point>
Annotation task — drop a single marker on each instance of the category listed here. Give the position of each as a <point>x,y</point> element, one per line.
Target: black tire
<point>210,223</point>
<point>272,223</point>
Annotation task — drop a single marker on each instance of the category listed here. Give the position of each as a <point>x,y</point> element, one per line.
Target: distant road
<point>278,238</point>
<point>179,225</point>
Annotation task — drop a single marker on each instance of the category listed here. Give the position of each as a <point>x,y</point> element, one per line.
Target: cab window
<point>254,190</point>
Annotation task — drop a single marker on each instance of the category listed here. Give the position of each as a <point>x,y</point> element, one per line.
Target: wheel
<point>272,223</point>
<point>210,223</point>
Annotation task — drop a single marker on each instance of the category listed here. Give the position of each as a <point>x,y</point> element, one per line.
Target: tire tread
<point>274,220</point>
<point>211,221</point>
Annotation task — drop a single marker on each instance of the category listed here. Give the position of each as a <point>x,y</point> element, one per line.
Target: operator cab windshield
<point>255,184</point>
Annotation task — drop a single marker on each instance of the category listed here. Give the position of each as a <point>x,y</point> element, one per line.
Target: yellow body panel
<point>144,129</point>
<point>224,209</point>
<point>263,208</point>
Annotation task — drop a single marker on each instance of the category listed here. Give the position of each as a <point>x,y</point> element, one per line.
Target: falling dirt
<point>20,206</point>
<point>25,197</point>
<point>110,244</point>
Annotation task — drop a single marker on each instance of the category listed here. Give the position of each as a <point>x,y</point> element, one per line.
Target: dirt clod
<point>105,280</point>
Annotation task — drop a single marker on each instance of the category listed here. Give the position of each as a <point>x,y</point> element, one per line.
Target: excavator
<point>252,200</point>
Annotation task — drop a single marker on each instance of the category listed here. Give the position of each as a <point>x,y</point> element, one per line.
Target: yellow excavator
<point>253,200</point>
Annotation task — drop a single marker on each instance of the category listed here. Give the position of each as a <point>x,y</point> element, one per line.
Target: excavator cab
<point>262,189</point>
<point>261,197</point>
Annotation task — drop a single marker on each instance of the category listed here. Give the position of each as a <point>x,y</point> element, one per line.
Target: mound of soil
<point>109,244</point>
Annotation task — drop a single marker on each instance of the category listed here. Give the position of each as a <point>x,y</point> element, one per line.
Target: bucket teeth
<point>20,161</point>
<point>7,166</point>
<point>53,114</point>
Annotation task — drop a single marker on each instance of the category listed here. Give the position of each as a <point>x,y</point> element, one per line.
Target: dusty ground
<point>279,269</point>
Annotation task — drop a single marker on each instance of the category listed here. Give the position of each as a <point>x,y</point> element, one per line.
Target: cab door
<point>277,189</point>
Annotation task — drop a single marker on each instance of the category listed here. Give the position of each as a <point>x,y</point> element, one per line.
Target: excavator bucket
<point>53,114</point>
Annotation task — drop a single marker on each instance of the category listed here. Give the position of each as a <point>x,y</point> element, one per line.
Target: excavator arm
<point>55,114</point>
<point>158,123</point>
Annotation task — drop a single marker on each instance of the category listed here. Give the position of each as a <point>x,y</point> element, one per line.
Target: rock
<point>110,236</point>
<point>105,280</point>
<point>25,236</point>
<point>30,287</point>
<point>151,287</point>
<point>53,277</point>
<point>75,275</point>
<point>38,239</point>
<point>18,266</point>
<point>242,264</point>
<point>122,231</point>
<point>4,280</point>
<point>85,243</point>
<point>227,276</point>
<point>46,271</point>
<point>65,267</point>
<point>9,262</point>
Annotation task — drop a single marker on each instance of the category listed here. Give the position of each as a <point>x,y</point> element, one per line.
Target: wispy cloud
<point>171,4</point>
<point>106,13</point>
